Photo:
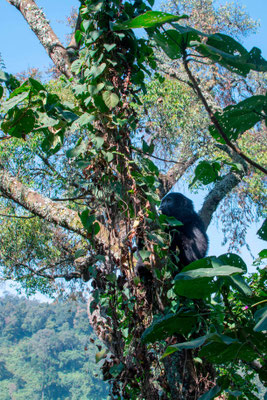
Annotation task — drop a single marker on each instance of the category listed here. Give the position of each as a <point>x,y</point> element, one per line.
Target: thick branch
<point>53,212</point>
<point>221,189</point>
<point>40,26</point>
<point>39,205</point>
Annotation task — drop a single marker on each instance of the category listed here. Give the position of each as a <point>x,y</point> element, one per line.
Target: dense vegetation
<point>85,160</point>
<point>47,352</point>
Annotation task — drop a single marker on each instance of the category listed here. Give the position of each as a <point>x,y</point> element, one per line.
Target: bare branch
<point>39,25</point>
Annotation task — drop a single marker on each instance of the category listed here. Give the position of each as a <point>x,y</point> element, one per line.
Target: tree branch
<point>169,179</point>
<point>215,121</point>
<point>40,26</point>
<point>220,190</point>
<point>53,212</point>
<point>39,205</point>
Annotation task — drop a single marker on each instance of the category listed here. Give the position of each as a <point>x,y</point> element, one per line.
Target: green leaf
<point>78,36</point>
<point>115,370</point>
<point>211,394</point>
<point>110,99</point>
<point>256,61</point>
<point>36,85</point>
<point>109,47</point>
<point>100,104</point>
<point>21,123</point>
<point>94,89</point>
<point>240,284</point>
<point>87,220</point>
<point>261,319</point>
<point>51,144</point>
<point>234,260</point>
<point>221,349</point>
<point>99,141</point>
<point>236,119</point>
<point>170,42</point>
<point>80,148</point>
<point>148,149</point>
<point>192,344</point>
<point>148,20</point>
<point>76,66</point>
<point>144,254</point>
<point>44,121</point>
<point>12,102</point>
<point>169,325</point>
<point>262,232</point>
<point>195,282</point>
<point>84,120</point>
<point>95,71</point>
<point>79,253</point>
<point>1,91</point>
<point>226,51</point>
<point>207,172</point>
<point>224,270</point>
<point>263,254</point>
<point>172,221</point>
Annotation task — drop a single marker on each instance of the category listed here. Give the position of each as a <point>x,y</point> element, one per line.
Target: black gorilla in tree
<point>190,239</point>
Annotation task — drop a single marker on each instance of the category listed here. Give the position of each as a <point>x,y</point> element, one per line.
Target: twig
<point>157,158</point>
<point>17,216</point>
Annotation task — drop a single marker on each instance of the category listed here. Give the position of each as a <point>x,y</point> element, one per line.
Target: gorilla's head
<point>177,205</point>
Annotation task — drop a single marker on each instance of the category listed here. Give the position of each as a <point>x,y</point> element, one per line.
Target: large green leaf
<point>234,260</point>
<point>21,123</point>
<point>169,325</point>
<point>226,51</point>
<point>238,118</point>
<point>44,121</point>
<point>170,42</point>
<point>221,352</point>
<point>95,71</point>
<point>232,55</point>
<point>239,283</point>
<point>111,99</point>
<point>195,282</point>
<point>84,120</point>
<point>192,344</point>
<point>150,19</point>
<point>211,394</point>
<point>12,102</point>
<point>261,319</point>
<point>207,172</point>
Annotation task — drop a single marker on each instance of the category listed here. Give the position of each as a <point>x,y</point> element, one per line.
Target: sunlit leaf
<point>148,20</point>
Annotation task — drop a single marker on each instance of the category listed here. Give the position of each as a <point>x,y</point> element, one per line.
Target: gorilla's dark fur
<point>190,239</point>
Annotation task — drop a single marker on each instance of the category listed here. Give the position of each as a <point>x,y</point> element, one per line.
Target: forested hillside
<point>46,352</point>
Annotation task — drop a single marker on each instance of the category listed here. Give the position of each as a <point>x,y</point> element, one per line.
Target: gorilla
<point>190,239</point>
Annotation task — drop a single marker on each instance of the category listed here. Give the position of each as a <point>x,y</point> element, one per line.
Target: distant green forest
<point>46,353</point>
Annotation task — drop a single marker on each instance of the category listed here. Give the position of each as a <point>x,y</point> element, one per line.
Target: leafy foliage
<point>46,351</point>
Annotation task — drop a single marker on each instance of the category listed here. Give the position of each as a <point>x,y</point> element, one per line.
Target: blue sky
<point>20,50</point>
